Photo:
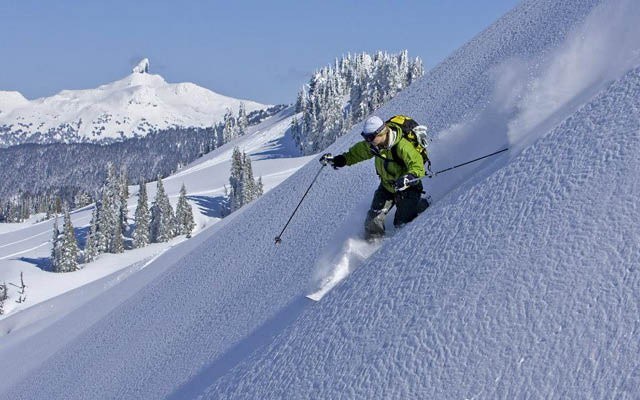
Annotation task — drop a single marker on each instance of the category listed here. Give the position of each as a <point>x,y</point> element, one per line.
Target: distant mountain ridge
<point>134,106</point>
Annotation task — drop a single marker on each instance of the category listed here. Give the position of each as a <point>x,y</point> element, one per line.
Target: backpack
<point>418,137</point>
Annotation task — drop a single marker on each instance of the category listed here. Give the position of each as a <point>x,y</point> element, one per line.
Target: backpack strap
<point>396,158</point>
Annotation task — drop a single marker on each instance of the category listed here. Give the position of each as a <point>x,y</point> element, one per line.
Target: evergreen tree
<point>141,233</point>
<point>81,199</point>
<point>259,188</point>
<point>3,297</point>
<point>236,180</point>
<point>243,188</point>
<point>100,239</point>
<point>416,71</point>
<point>162,227</point>
<point>229,131</point>
<point>91,249</point>
<point>184,214</point>
<point>56,245</point>
<point>118,238</point>
<point>340,96</point>
<point>243,121</point>
<point>123,195</point>
<point>109,223</point>
<point>66,259</point>
<point>249,192</point>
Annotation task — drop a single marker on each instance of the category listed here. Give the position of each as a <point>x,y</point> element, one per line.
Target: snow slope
<point>26,247</point>
<point>524,282</point>
<point>133,106</point>
<point>526,285</point>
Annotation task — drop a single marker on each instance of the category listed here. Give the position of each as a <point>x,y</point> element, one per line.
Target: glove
<point>405,181</point>
<point>336,162</point>
<point>326,159</point>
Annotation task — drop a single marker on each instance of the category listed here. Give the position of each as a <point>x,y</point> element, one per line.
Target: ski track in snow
<point>340,264</point>
<point>520,281</point>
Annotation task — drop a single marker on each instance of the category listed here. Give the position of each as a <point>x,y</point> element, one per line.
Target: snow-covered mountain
<point>520,281</point>
<point>134,106</point>
<point>10,101</point>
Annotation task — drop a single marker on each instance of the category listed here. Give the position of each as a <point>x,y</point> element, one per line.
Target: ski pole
<point>279,237</point>
<point>472,161</point>
<point>456,166</point>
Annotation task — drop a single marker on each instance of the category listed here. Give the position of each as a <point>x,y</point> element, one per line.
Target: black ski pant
<point>408,205</point>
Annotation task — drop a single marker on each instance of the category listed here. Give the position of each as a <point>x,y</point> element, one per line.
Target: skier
<point>399,164</point>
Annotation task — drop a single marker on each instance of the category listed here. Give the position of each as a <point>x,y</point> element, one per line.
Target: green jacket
<point>389,170</point>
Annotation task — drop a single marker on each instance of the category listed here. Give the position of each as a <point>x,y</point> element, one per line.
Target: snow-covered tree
<point>259,188</point>
<point>110,215</point>
<point>141,235</point>
<point>340,96</point>
<point>236,180</point>
<point>82,199</point>
<point>184,214</point>
<point>243,187</point>
<point>416,71</point>
<point>230,129</point>
<point>56,243</point>
<point>4,295</point>
<point>243,121</point>
<point>123,195</point>
<point>91,249</point>
<point>162,226</point>
<point>249,193</point>
<point>66,256</point>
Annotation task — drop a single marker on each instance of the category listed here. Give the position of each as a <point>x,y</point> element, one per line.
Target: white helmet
<point>372,126</point>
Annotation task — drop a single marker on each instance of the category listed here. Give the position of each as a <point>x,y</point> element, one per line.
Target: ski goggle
<point>371,135</point>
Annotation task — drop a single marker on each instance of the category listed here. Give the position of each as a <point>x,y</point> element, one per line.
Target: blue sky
<point>255,50</point>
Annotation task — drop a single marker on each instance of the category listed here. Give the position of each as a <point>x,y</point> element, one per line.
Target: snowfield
<point>520,281</point>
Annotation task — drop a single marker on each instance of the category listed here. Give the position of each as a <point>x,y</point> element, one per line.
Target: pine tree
<point>162,225</point>
<point>91,249</point>
<point>243,188</point>
<point>110,222</point>
<point>3,297</point>
<point>70,250</point>
<point>100,238</point>
<point>229,131</point>
<point>141,233</point>
<point>184,214</point>
<point>236,181</point>
<point>81,199</point>
<point>340,96</point>
<point>56,245</point>
<point>123,195</point>
<point>66,257</point>
<point>118,238</point>
<point>249,185</point>
<point>259,188</point>
<point>243,121</point>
